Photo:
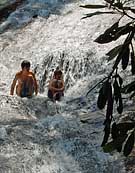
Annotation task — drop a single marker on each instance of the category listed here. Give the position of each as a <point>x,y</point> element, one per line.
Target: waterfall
<point>37,135</point>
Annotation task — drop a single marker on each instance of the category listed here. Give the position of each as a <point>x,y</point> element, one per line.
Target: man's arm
<point>35,84</point>
<point>13,85</point>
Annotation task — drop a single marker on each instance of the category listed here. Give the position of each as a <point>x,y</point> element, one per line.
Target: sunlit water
<point>36,135</point>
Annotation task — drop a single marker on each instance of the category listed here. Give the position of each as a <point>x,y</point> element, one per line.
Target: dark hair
<point>57,68</point>
<point>57,72</point>
<point>26,64</point>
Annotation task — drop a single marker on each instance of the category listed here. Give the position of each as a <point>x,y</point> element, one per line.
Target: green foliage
<point>129,144</point>
<point>129,88</point>
<point>103,95</point>
<point>132,62</point>
<point>122,134</point>
<point>97,13</point>
<point>113,52</point>
<point>93,6</point>
<point>109,147</point>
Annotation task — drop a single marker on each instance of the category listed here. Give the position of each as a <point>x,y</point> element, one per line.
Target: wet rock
<point>9,7</point>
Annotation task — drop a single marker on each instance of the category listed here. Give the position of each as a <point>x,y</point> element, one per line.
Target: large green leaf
<point>93,6</point>
<point>129,144</point>
<point>108,35</point>
<point>125,127</point>
<point>97,13</point>
<point>133,62</point>
<point>103,95</point>
<point>120,106</point>
<point>118,142</point>
<point>125,58</point>
<point>114,32</point>
<point>129,88</point>
<point>104,38</point>
<point>110,100</point>
<point>123,30</point>
<point>114,131</point>
<point>107,132</point>
<point>115,144</point>
<point>117,91</point>
<point>113,52</point>
<point>112,29</point>
<point>123,49</point>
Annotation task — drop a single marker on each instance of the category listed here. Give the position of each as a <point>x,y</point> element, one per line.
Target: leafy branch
<point>121,134</point>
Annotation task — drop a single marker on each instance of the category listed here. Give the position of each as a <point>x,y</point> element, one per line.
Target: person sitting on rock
<point>56,86</point>
<point>25,81</point>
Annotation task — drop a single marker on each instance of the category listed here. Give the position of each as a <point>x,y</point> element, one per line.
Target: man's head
<point>25,65</point>
<point>58,74</point>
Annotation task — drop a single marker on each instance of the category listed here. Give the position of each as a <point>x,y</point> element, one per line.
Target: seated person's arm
<point>35,84</point>
<point>61,89</point>
<point>62,86</point>
<point>51,86</point>
<point>13,85</point>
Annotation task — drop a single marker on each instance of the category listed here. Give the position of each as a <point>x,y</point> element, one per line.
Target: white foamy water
<point>39,136</point>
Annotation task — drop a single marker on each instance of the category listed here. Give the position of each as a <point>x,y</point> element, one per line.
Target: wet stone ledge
<point>7,7</point>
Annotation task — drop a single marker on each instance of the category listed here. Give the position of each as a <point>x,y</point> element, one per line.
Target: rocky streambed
<point>37,135</point>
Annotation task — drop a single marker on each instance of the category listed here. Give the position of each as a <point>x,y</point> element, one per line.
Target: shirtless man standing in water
<point>26,82</point>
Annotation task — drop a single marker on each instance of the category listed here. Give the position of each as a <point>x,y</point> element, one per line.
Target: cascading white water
<point>35,134</point>
<point>30,9</point>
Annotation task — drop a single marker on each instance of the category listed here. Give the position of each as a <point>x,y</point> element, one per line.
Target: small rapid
<point>37,135</point>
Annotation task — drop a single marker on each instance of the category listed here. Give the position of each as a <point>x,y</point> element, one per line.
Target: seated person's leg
<point>58,96</point>
<point>50,94</point>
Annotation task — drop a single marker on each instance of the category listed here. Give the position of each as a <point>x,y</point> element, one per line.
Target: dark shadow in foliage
<point>122,135</point>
